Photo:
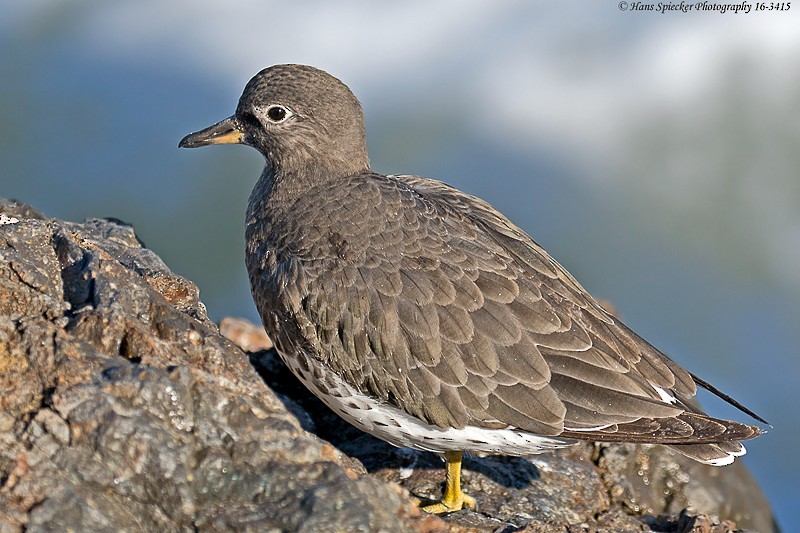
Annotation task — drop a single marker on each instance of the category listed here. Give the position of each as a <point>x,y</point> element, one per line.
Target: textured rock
<point>124,409</point>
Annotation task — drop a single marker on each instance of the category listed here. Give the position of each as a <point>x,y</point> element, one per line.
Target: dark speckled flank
<point>423,298</point>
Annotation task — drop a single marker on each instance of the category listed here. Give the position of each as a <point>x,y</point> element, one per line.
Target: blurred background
<point>656,156</point>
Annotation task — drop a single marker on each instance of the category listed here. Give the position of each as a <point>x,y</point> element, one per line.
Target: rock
<point>124,409</point>
<point>245,334</point>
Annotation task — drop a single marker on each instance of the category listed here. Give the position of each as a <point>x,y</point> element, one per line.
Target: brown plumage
<point>425,307</point>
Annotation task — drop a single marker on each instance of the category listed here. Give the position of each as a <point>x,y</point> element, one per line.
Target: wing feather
<point>428,298</point>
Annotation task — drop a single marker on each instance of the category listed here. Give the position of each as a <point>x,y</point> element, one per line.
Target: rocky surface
<point>123,408</point>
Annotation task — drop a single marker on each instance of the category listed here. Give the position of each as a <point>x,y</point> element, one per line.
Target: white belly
<point>396,427</point>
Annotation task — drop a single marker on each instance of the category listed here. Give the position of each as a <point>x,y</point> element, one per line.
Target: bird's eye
<point>277,113</point>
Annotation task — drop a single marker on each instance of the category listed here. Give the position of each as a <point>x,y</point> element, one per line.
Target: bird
<point>422,315</point>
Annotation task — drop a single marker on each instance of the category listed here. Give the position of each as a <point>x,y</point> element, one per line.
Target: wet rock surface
<point>124,409</point>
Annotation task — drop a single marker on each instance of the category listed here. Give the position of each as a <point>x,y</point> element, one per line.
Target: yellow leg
<point>454,499</point>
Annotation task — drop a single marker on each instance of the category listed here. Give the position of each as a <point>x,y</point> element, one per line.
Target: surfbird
<point>423,316</point>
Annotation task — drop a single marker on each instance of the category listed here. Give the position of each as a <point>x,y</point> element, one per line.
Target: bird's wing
<point>430,299</point>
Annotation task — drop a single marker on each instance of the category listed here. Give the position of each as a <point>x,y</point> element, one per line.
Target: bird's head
<point>302,119</point>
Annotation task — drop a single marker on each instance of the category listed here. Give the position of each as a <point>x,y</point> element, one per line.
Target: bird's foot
<point>449,505</point>
<point>454,498</point>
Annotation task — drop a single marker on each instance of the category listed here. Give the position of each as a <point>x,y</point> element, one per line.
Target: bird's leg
<point>454,499</point>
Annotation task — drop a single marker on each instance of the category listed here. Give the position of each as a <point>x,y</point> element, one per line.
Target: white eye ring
<point>277,113</point>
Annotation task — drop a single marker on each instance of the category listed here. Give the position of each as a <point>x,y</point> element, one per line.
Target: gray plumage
<point>404,295</point>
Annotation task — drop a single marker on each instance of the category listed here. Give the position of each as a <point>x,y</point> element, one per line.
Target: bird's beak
<point>223,132</point>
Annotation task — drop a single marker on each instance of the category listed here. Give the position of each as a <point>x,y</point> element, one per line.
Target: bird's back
<point>428,299</point>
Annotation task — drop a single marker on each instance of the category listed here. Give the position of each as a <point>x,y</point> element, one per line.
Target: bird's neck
<point>281,187</point>
<point>276,193</point>
<point>268,195</point>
